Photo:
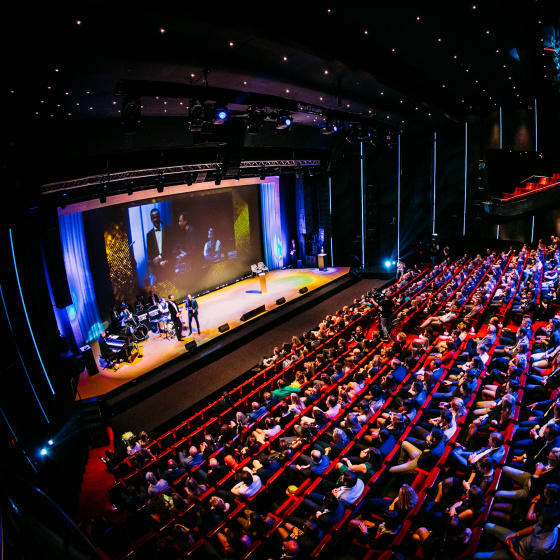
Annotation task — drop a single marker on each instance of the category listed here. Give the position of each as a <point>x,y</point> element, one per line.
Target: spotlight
<point>283,121</point>
<point>387,264</point>
<point>50,442</point>
<point>129,188</point>
<point>329,127</point>
<point>189,179</point>
<point>220,116</point>
<point>237,176</point>
<point>263,173</point>
<point>43,452</point>
<point>130,115</point>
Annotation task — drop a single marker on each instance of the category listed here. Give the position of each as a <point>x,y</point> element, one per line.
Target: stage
<point>226,305</point>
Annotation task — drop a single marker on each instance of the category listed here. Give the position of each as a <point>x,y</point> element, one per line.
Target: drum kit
<point>160,322</point>
<point>137,327</point>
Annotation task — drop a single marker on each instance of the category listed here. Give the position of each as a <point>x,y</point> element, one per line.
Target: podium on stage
<point>262,280</point>
<point>321,260</point>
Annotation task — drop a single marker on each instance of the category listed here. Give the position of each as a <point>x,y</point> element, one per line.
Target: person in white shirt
<point>333,408</point>
<point>271,429</point>
<point>250,484</point>
<point>156,486</point>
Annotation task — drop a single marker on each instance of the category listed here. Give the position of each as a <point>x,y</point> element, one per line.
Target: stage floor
<point>217,308</point>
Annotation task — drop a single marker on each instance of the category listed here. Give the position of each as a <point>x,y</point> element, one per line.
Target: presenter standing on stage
<point>192,308</point>
<point>175,317</point>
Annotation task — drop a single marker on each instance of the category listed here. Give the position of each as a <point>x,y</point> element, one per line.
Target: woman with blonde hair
<point>296,404</point>
<point>403,504</point>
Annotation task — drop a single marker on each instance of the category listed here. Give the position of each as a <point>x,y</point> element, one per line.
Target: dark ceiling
<point>408,65</point>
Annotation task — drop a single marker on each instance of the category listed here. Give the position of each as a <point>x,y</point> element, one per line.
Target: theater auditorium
<point>281,282</point>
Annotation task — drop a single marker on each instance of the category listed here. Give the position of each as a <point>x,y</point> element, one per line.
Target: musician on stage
<point>152,299</point>
<point>293,253</point>
<point>192,308</point>
<point>175,317</point>
<point>140,303</point>
<point>109,353</point>
<point>126,318</point>
<point>165,315</point>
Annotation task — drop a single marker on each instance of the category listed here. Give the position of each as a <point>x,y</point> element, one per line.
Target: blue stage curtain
<point>272,225</point>
<point>83,313</point>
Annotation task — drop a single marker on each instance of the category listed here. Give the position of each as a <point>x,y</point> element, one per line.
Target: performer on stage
<point>175,317</point>
<point>165,315</point>
<point>114,312</point>
<point>152,299</point>
<point>140,303</point>
<point>192,308</point>
<point>293,253</point>
<point>107,353</point>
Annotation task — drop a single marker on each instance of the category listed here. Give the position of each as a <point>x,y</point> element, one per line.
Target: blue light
<point>50,442</point>
<point>387,264</point>
<point>288,122</point>
<point>43,452</point>
<point>222,115</point>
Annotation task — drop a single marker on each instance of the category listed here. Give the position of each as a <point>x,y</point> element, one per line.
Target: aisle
<point>175,399</point>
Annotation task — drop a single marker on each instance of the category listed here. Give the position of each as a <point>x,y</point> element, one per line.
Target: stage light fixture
<point>329,127</point>
<point>189,179</point>
<point>255,120</point>
<point>196,116</point>
<point>160,183</point>
<point>283,121</point>
<point>43,452</point>
<point>50,442</point>
<point>263,173</point>
<point>217,176</point>
<point>103,193</point>
<point>387,264</point>
<point>237,176</point>
<point>130,114</point>
<point>129,188</point>
<point>220,116</point>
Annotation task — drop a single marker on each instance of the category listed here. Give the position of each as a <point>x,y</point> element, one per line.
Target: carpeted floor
<point>172,401</point>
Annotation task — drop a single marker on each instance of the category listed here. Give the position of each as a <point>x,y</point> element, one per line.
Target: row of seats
<point>530,188</point>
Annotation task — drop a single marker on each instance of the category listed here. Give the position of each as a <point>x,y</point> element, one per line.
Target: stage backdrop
<point>191,242</point>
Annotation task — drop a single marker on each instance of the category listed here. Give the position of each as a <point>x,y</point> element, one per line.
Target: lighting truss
<point>167,171</point>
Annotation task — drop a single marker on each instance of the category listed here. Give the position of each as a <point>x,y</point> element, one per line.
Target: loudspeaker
<point>190,346</point>
<point>303,290</point>
<point>87,355</point>
<point>281,301</point>
<point>223,328</point>
<point>253,313</point>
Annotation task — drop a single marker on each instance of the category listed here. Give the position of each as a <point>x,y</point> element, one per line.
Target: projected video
<point>187,243</point>
<point>176,239</point>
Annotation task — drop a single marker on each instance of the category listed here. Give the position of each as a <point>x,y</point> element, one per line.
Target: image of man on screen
<point>186,245</point>
<point>212,248</point>
<point>158,241</point>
